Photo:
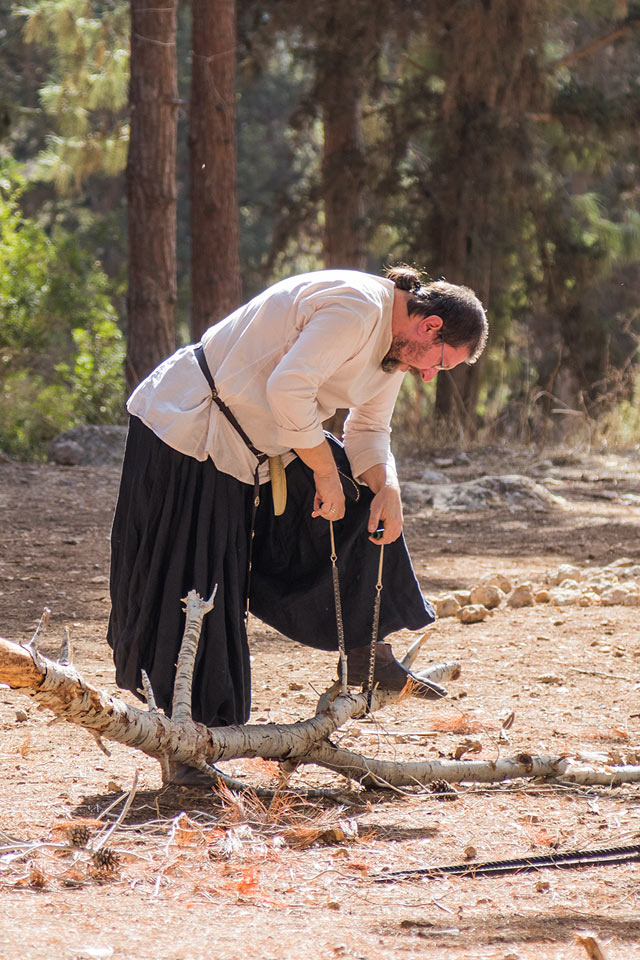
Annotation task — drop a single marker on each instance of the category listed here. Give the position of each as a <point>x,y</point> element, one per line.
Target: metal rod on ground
<point>495,868</point>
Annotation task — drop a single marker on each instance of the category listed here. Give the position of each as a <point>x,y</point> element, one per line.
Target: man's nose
<point>428,374</point>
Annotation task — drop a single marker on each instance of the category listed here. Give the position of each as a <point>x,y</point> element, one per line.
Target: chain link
<point>338,602</point>
<point>340,623</point>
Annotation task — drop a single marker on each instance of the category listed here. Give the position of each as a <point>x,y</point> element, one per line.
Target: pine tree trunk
<point>342,170</point>
<point>339,89</point>
<point>482,143</point>
<point>151,188</point>
<point>215,260</point>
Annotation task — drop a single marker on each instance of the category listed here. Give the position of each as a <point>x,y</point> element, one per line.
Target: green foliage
<point>61,351</point>
<point>510,164</point>
<point>87,90</point>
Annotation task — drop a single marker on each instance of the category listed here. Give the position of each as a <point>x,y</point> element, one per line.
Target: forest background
<point>161,165</point>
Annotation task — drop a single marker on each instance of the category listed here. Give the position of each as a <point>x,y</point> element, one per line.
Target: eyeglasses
<point>441,365</point>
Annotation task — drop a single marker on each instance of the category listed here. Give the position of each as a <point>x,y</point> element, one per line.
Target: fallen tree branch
<point>63,690</point>
<point>60,688</point>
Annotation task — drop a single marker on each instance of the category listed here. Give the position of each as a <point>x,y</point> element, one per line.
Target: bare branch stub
<point>40,629</point>
<point>65,656</point>
<point>196,608</point>
<point>147,690</point>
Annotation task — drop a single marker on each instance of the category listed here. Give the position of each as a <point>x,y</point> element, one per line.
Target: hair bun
<point>405,278</point>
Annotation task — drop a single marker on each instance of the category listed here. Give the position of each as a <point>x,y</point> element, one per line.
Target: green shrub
<point>61,350</point>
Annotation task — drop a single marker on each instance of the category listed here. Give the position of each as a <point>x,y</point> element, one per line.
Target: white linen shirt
<point>283,363</point>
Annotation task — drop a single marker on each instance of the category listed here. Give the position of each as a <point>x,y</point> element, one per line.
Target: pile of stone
<point>517,493</point>
<point>616,584</point>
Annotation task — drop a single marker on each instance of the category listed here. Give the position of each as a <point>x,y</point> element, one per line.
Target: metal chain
<point>374,631</point>
<point>340,623</point>
<point>338,603</point>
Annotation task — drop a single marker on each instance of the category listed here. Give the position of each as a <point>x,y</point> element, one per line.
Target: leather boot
<point>389,673</point>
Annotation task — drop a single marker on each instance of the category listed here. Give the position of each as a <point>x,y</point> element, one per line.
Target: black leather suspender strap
<point>260,457</point>
<point>204,366</point>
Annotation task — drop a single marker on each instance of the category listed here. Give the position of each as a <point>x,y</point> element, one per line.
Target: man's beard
<point>391,361</point>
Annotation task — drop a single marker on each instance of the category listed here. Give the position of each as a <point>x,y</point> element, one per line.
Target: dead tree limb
<point>60,688</point>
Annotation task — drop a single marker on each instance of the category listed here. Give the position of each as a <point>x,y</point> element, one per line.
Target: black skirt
<point>292,584</point>
<point>180,524</point>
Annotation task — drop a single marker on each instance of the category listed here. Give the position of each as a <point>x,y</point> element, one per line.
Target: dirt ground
<point>201,877</point>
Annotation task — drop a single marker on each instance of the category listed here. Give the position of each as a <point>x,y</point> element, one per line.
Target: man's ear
<point>432,324</point>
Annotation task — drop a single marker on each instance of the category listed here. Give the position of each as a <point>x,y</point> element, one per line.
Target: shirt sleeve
<point>367,429</point>
<point>331,337</point>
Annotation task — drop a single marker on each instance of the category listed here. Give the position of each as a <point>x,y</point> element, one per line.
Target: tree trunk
<point>215,260</point>
<point>151,188</point>
<point>482,144</point>
<point>342,172</point>
<point>340,83</point>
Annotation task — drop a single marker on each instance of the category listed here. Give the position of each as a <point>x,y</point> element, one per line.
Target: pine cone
<point>444,790</point>
<point>78,834</point>
<point>37,878</point>
<point>106,860</point>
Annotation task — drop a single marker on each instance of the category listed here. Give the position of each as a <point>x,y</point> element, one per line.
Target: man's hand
<point>329,499</point>
<point>386,511</point>
<point>386,506</point>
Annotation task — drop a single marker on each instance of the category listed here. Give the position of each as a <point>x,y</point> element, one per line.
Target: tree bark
<point>342,173</point>
<point>215,260</point>
<point>340,80</point>
<point>481,142</point>
<point>151,188</point>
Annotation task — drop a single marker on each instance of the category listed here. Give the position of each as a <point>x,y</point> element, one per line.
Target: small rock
<point>470,853</point>
<point>21,716</point>
<point>614,595</point>
<point>487,594</point>
<point>463,597</point>
<point>632,599</point>
<point>447,606</point>
<point>588,598</point>
<point>561,597</point>
<point>472,613</point>
<point>500,581</point>
<point>67,453</point>
<point>542,886</point>
<point>522,596</point>
<point>95,953</point>
<point>569,584</point>
<point>542,596</point>
<point>565,572</point>
<point>601,583</point>
<point>433,476</point>
<point>295,686</point>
